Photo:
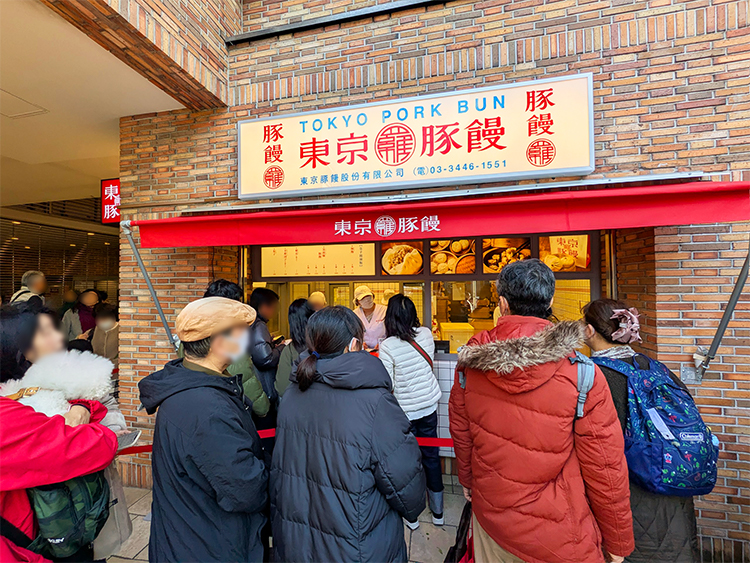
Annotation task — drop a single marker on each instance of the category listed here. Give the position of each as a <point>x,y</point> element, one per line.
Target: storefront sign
<point>531,129</point>
<point>318,260</point>
<point>110,200</point>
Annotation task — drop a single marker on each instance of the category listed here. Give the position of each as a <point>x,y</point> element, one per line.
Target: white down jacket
<point>414,384</point>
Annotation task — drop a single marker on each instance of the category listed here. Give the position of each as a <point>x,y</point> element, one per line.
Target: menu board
<point>318,260</point>
<point>565,253</point>
<point>402,258</point>
<point>499,252</point>
<point>454,256</point>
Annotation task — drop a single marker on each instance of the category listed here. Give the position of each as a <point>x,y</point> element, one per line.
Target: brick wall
<point>179,276</point>
<point>176,44</point>
<point>636,278</point>
<point>259,14</point>
<point>696,268</point>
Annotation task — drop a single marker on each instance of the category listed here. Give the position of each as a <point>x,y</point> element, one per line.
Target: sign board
<point>534,129</point>
<point>110,200</point>
<point>317,260</point>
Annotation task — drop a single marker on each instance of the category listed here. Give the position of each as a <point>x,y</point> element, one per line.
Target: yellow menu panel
<point>318,260</point>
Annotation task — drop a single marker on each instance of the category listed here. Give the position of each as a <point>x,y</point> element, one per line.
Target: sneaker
<point>438,519</point>
<point>412,525</point>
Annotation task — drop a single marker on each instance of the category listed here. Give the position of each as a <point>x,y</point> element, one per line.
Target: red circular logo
<point>394,144</point>
<point>273,177</point>
<point>540,152</point>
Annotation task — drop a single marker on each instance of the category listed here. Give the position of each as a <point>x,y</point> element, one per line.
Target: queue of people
<point>542,462</point>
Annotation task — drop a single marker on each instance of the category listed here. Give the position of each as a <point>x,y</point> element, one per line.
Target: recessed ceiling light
<point>16,222</point>
<point>13,238</point>
<point>90,234</point>
<point>72,244</point>
<point>106,244</point>
<point>27,247</point>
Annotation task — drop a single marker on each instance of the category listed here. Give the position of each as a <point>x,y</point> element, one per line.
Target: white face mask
<point>106,325</point>
<point>354,345</point>
<point>242,341</point>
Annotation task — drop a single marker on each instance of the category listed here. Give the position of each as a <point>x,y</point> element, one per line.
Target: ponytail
<point>306,372</point>
<point>329,332</point>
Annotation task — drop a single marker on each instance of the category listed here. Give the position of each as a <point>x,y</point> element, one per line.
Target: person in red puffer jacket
<point>545,487</point>
<point>35,449</point>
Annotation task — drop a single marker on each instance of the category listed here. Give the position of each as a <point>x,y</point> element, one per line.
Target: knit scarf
<point>615,352</point>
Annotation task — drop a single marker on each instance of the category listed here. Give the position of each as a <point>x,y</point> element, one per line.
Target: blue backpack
<point>669,449</point>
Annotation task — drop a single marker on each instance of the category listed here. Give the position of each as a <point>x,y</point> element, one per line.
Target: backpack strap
<point>20,293</point>
<point>586,373</point>
<point>13,534</point>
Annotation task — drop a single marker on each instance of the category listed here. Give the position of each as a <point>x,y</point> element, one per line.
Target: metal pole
<point>727,316</point>
<point>128,232</point>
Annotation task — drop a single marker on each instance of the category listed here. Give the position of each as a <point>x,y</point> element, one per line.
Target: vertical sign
<point>111,200</point>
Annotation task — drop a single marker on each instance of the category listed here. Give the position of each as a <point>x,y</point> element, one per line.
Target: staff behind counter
<point>372,316</point>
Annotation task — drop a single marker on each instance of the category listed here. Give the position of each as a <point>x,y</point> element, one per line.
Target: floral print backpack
<point>669,449</point>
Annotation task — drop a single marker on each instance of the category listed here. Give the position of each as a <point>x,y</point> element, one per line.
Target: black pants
<point>426,427</point>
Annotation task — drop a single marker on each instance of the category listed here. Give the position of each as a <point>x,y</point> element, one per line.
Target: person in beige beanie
<point>210,482</point>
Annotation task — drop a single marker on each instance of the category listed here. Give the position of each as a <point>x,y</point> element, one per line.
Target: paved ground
<point>428,544</point>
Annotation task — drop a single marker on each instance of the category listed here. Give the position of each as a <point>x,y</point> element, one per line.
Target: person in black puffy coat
<point>346,469</point>
<point>210,480</point>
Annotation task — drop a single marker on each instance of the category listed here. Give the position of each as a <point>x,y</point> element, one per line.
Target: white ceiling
<point>47,64</point>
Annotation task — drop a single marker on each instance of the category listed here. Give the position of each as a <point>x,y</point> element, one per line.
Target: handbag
<point>118,527</point>
<point>463,550</point>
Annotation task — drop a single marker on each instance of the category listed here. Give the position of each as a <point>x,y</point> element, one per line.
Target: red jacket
<point>545,486</point>
<point>39,450</point>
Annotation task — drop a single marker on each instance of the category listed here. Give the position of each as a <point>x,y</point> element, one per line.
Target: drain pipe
<point>128,232</point>
<point>726,317</point>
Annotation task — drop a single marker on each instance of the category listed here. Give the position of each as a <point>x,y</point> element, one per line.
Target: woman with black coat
<point>664,526</point>
<point>345,469</point>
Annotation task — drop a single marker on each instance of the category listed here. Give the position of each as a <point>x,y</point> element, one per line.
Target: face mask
<point>354,345</point>
<point>106,325</point>
<point>242,341</point>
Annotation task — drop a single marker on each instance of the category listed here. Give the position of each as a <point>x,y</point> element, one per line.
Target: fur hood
<point>64,377</point>
<point>523,361</point>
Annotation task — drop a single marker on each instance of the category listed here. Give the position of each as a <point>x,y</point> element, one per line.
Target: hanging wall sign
<point>110,200</point>
<point>534,129</point>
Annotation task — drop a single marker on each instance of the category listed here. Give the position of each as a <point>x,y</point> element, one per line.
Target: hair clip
<point>314,353</point>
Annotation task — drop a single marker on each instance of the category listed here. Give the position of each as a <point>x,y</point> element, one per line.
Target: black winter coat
<point>345,468</point>
<point>265,356</point>
<point>210,485</point>
<point>664,527</point>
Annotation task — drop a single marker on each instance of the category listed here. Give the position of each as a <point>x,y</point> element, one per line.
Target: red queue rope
<point>430,442</point>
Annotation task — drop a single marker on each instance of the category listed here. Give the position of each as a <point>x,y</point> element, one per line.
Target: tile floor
<point>427,544</point>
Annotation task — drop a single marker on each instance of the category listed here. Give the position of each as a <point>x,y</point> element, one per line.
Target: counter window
<point>451,281</point>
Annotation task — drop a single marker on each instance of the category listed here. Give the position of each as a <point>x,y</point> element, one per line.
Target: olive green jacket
<point>250,383</point>
<point>288,356</point>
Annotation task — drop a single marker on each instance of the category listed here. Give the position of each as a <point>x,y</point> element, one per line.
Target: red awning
<point>614,208</point>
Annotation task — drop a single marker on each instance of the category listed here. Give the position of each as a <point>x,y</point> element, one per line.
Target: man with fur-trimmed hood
<point>545,486</point>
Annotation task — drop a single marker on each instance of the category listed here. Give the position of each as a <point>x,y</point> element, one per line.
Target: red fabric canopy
<point>614,208</point>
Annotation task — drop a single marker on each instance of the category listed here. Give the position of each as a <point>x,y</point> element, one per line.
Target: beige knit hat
<point>212,315</point>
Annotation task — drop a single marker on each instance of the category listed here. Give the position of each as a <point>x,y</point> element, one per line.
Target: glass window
<point>460,309</point>
<point>570,297</point>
